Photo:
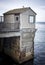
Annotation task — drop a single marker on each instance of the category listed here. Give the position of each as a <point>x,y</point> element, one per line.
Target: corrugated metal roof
<point>19,10</point>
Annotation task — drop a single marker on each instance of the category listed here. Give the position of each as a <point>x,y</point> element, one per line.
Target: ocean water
<point>39,49</point>
<point>39,45</point>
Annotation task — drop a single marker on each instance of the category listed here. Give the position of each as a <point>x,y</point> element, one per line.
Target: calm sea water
<point>39,49</point>
<point>39,45</point>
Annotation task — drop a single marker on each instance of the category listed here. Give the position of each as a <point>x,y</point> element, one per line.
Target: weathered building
<point>17,33</point>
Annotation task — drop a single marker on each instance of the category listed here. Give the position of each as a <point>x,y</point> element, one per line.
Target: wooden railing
<point>7,27</point>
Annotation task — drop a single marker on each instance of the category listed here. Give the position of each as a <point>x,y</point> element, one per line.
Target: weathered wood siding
<point>25,20</point>
<point>11,21</point>
<point>9,18</point>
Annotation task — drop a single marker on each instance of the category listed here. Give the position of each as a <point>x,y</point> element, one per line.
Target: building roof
<point>19,10</point>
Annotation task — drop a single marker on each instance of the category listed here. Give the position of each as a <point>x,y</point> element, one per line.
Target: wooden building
<point>17,34</point>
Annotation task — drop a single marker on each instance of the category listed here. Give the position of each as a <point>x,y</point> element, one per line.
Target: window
<point>16,18</point>
<point>31,18</point>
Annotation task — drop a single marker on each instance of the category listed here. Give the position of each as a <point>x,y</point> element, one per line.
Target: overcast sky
<point>37,5</point>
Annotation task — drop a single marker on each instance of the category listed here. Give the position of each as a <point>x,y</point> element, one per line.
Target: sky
<point>37,5</point>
